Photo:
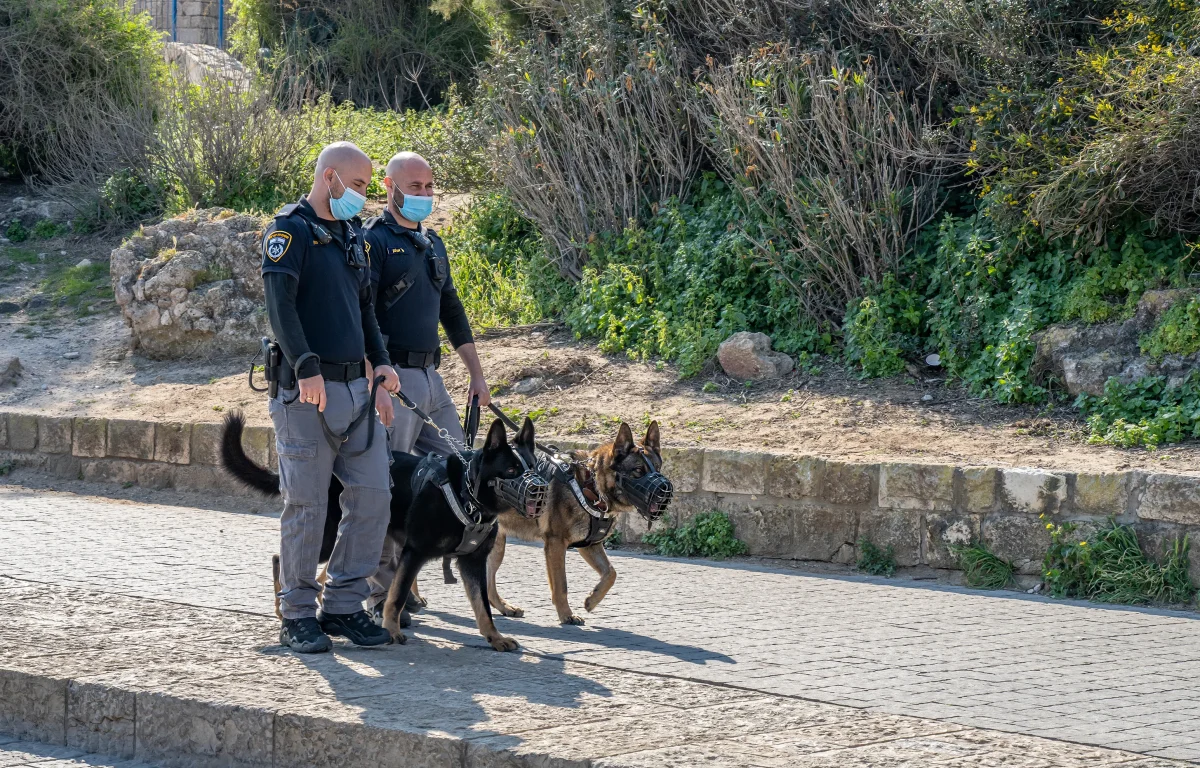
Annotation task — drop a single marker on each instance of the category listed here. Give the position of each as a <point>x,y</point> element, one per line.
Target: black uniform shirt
<point>332,300</point>
<point>410,323</point>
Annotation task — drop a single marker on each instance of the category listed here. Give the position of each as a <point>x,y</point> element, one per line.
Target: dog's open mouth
<point>532,510</point>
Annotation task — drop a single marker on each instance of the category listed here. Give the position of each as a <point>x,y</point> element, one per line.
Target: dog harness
<point>586,494</point>
<point>432,469</point>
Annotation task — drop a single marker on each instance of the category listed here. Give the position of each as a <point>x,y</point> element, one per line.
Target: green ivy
<point>1147,412</point>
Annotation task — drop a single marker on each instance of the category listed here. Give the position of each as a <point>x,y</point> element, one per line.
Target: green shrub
<point>706,535</point>
<point>16,232</point>
<point>47,229</point>
<point>876,561</point>
<point>1146,412</point>
<point>884,328</point>
<point>982,569</point>
<point>1110,567</point>
<point>1177,332</point>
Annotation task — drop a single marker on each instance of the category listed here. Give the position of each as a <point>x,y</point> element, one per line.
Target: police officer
<point>319,303</point>
<point>413,294</point>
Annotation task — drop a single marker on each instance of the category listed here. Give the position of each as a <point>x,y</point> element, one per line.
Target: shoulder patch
<point>277,244</point>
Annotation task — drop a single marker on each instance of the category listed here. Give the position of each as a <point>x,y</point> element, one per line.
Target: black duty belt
<point>343,371</point>
<point>406,359</point>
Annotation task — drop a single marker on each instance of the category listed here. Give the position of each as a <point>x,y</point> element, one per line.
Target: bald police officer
<point>320,305</point>
<point>414,293</point>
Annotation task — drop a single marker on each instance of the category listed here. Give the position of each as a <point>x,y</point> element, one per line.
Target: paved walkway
<point>25,754</point>
<point>1109,677</point>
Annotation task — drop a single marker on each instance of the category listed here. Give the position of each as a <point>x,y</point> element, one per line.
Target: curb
<point>782,506</point>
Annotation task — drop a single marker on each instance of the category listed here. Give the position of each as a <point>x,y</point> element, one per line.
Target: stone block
<point>202,734</point>
<point>257,441</point>
<point>898,529</point>
<point>206,444</point>
<point>944,531</point>
<point>1033,491</point>
<point>1105,494</point>
<point>110,471</point>
<point>767,530</point>
<point>684,466</point>
<point>848,483</point>
<point>823,534</point>
<point>199,478</point>
<point>1171,498</point>
<point>794,477</point>
<point>33,707</point>
<point>928,487</point>
<point>1019,538</point>
<point>22,431</point>
<point>131,439</point>
<point>155,475</point>
<point>733,471</point>
<point>54,434</point>
<point>979,488</point>
<point>302,740</point>
<point>89,438</point>
<point>100,719</point>
<point>173,443</point>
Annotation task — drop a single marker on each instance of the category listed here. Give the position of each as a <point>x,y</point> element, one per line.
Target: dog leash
<point>335,440</point>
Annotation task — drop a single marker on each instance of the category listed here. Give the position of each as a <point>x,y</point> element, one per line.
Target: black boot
<point>356,627</point>
<point>304,636</point>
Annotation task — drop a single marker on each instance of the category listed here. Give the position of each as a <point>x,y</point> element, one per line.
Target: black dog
<point>423,525</point>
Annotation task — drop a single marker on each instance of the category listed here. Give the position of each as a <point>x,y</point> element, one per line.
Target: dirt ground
<point>77,365</point>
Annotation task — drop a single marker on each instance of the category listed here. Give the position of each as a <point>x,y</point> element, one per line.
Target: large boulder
<point>29,211</point>
<point>190,286</point>
<point>200,63</point>
<point>1084,357</point>
<point>749,357</point>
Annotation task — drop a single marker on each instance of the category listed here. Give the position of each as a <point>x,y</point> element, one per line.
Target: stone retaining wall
<point>792,507</point>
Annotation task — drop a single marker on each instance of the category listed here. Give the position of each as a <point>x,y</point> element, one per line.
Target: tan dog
<point>567,524</point>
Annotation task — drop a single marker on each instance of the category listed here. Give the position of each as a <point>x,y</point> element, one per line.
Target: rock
<point>748,357</point>
<point>8,307</point>
<point>37,301</point>
<point>933,360</point>
<point>10,370</point>
<point>190,286</point>
<point>528,386</point>
<point>1085,357</point>
<point>927,398</point>
<point>70,355</point>
<point>199,63</point>
<point>29,211</point>
<point>83,263</point>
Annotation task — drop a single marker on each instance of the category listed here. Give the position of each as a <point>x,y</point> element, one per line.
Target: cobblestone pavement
<point>1109,677</point>
<point>21,754</point>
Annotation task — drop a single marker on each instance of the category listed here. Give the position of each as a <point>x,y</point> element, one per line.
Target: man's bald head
<point>346,160</point>
<point>407,174</point>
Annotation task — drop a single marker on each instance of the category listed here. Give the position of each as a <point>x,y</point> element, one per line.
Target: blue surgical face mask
<point>416,208</point>
<point>349,205</point>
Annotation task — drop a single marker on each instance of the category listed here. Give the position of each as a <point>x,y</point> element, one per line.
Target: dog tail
<point>237,463</point>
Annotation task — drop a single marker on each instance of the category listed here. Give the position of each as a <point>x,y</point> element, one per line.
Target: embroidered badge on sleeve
<point>277,245</point>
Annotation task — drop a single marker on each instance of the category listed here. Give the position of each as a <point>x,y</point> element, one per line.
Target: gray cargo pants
<point>409,434</point>
<point>306,462</point>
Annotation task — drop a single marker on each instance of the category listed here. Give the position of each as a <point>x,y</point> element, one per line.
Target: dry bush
<point>229,143</point>
<point>593,125</point>
<point>837,166</point>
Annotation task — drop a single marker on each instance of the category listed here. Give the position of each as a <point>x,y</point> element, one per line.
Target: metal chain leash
<point>454,443</point>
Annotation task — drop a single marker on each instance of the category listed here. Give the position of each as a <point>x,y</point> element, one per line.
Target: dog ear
<point>623,445</point>
<point>496,439</point>
<point>525,436</point>
<point>650,441</point>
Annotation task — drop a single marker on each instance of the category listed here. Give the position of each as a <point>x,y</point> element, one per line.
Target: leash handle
<point>471,422</point>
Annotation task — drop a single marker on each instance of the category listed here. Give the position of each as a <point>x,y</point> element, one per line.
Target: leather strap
<point>343,372</point>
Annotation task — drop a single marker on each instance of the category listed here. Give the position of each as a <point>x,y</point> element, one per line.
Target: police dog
<point>422,525</point>
<point>566,524</point>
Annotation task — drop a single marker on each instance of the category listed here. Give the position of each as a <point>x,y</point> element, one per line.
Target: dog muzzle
<point>527,494</point>
<point>649,494</point>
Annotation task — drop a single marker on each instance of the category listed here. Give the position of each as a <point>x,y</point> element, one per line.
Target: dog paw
<point>572,619</point>
<point>422,602</point>
<point>502,643</point>
<point>415,603</point>
<point>405,619</point>
<point>590,604</point>
<point>398,637</point>
<point>507,609</point>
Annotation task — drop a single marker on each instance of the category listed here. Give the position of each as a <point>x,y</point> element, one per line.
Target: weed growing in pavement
<point>983,569</point>
<point>1110,567</point>
<point>706,535</point>
<point>876,561</point>
<point>7,467</point>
